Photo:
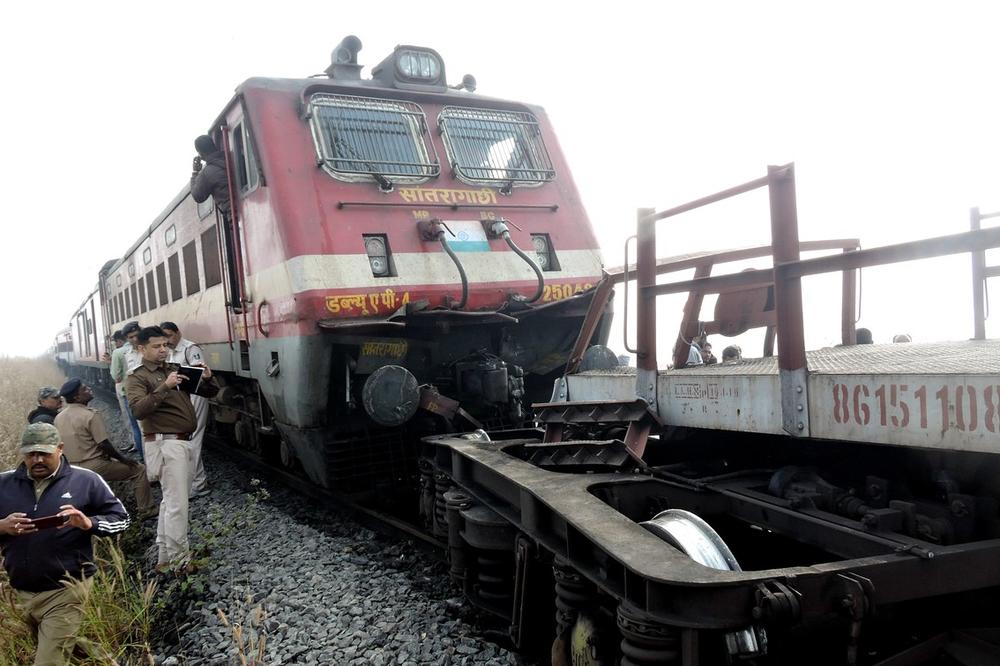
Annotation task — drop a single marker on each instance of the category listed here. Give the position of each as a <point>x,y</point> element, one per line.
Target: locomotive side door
<point>243,176</point>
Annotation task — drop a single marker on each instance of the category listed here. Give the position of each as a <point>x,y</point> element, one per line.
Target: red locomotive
<point>402,254</point>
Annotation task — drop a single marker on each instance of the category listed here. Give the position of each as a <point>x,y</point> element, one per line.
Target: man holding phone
<point>51,511</point>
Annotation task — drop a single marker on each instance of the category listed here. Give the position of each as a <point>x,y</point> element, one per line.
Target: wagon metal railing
<point>980,274</point>
<point>785,274</point>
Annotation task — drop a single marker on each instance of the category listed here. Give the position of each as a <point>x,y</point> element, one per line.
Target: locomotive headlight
<point>544,253</point>
<point>378,255</point>
<point>418,65</point>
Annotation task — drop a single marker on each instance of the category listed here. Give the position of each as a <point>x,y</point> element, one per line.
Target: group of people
<point>700,353</point>
<point>58,498</point>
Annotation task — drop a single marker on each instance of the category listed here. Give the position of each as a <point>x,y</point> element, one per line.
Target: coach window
<point>114,311</point>
<point>151,290</point>
<point>131,270</point>
<point>128,302</point>
<point>363,139</point>
<point>142,297</point>
<point>123,305</point>
<point>174,265</point>
<point>170,235</point>
<point>118,280</point>
<point>191,280</point>
<point>135,299</point>
<point>161,283</point>
<point>210,257</point>
<point>247,173</point>
<point>491,147</point>
<point>147,255</point>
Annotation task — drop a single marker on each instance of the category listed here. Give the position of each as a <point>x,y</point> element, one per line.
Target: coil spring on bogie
<point>645,641</point>
<point>494,574</point>
<point>442,483</point>
<point>573,593</point>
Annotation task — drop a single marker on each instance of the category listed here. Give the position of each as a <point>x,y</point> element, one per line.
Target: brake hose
<point>461,272</point>
<point>501,228</point>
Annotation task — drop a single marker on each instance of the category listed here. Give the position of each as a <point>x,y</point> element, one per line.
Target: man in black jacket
<point>49,403</point>
<point>38,557</point>
<point>210,180</point>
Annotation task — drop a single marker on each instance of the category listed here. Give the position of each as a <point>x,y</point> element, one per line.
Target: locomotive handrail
<point>260,326</point>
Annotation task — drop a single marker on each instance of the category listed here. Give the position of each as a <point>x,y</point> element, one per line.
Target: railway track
<point>379,521</point>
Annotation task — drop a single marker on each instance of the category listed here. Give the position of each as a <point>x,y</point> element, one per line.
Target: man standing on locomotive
<point>212,180</point>
<point>185,352</point>
<point>168,420</point>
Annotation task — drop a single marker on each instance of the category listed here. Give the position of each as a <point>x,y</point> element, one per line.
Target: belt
<point>151,436</point>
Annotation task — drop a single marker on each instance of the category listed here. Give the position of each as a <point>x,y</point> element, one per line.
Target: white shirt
<point>133,359</point>
<point>694,355</point>
<point>186,353</point>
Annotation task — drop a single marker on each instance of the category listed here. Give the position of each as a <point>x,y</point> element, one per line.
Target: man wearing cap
<point>86,444</point>
<point>123,360</point>
<point>185,352</point>
<point>49,403</point>
<point>37,559</point>
<point>168,419</point>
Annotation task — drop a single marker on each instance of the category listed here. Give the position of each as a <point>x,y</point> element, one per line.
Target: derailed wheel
<point>695,538</point>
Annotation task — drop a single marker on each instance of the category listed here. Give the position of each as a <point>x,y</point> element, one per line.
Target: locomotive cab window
<point>495,147</point>
<point>362,139</point>
<point>247,174</point>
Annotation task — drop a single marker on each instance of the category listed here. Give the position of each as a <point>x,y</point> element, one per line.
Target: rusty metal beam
<point>598,302</point>
<point>887,254</point>
<point>712,285</point>
<point>646,370</point>
<point>978,282</point>
<point>672,265</point>
<point>927,248</point>
<point>711,198</point>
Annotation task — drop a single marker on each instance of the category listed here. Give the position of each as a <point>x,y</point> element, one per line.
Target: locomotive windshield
<point>361,138</point>
<point>487,146</point>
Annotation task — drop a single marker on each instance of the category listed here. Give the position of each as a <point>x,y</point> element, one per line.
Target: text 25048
<point>967,408</point>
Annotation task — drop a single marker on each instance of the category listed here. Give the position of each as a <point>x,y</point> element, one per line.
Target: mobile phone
<point>49,521</point>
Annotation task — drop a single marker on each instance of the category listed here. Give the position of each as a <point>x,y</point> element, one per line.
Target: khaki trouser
<point>168,461</point>
<point>113,470</point>
<point>199,482</point>
<point>54,618</point>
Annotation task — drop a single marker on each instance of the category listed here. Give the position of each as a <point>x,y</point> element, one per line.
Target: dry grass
<point>119,613</point>
<point>20,379</point>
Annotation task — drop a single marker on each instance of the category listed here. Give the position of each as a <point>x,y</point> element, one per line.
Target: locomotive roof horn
<point>344,60</point>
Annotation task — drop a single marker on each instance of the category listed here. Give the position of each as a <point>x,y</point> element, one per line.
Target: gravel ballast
<point>315,587</point>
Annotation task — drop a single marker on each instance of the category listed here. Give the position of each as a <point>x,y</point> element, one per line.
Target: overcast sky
<point>889,111</point>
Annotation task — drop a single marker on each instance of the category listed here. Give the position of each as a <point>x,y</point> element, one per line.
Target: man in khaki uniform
<point>168,420</point>
<point>87,444</point>
<point>185,352</point>
<point>39,557</point>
